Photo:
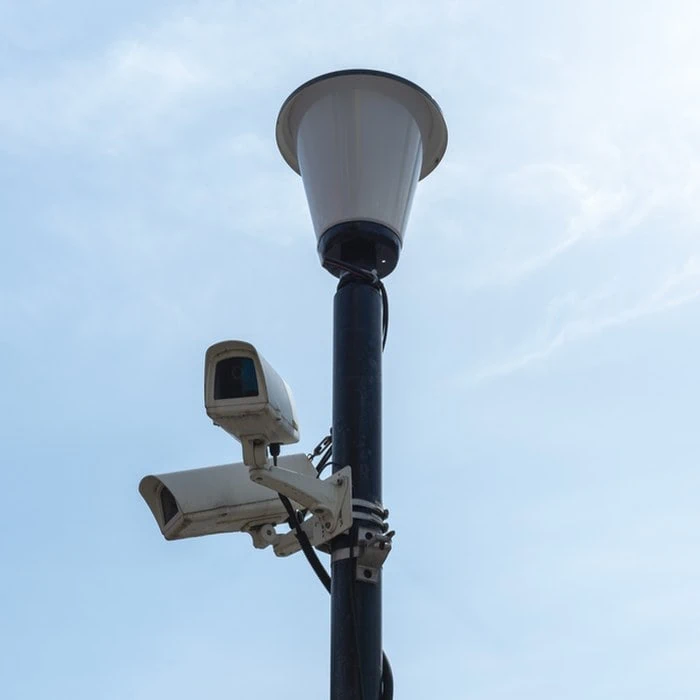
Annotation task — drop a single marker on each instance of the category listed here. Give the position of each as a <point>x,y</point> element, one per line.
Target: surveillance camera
<point>216,499</point>
<point>246,397</point>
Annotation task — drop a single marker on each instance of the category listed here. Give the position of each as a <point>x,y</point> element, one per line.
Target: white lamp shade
<point>361,140</point>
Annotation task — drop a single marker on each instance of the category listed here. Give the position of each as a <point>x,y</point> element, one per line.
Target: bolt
<point>368,535</point>
<point>367,573</point>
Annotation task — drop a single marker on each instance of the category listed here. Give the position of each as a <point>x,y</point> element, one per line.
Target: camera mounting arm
<point>329,500</point>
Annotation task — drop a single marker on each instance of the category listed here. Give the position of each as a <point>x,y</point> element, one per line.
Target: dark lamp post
<point>361,140</point>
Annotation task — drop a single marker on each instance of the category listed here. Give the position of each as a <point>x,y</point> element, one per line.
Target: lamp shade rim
<point>434,143</point>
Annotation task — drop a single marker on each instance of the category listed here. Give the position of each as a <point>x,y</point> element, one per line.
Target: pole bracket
<point>373,543</point>
<point>373,549</point>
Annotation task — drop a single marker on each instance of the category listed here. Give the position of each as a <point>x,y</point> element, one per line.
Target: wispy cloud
<point>590,208</point>
<point>680,288</point>
<point>152,78</point>
<point>616,134</point>
<point>133,86</point>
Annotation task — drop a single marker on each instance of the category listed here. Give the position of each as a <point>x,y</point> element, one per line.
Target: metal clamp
<point>373,513</point>
<point>374,548</point>
<point>373,540</point>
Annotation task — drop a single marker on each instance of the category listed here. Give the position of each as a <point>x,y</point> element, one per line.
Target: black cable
<point>370,276</point>
<point>329,464</point>
<point>305,544</point>
<point>385,314</point>
<point>387,690</point>
<point>312,558</point>
<point>324,461</point>
<point>320,571</point>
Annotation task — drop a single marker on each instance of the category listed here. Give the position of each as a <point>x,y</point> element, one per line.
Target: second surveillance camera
<point>246,397</point>
<point>216,499</point>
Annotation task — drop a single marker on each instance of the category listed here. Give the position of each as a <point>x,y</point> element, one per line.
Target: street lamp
<point>361,140</point>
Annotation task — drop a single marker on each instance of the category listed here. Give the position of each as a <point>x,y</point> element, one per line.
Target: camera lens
<point>168,504</point>
<point>235,378</point>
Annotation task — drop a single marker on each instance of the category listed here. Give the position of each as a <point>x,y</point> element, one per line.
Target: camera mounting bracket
<point>329,500</point>
<point>254,452</point>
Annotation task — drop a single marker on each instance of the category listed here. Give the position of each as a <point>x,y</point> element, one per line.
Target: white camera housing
<point>246,397</point>
<point>216,499</point>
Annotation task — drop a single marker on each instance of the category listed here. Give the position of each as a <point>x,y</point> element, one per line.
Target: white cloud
<point>590,208</point>
<point>128,89</point>
<point>145,80</point>
<point>598,136</point>
<point>591,317</point>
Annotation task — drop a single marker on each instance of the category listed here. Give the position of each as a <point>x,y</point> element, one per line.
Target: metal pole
<point>356,606</point>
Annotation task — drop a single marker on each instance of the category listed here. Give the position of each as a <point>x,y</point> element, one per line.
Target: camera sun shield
<point>246,397</point>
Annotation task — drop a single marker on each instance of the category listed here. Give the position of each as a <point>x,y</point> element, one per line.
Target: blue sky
<point>541,381</point>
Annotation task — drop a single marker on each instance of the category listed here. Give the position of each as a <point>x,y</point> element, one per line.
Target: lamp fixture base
<point>366,244</point>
